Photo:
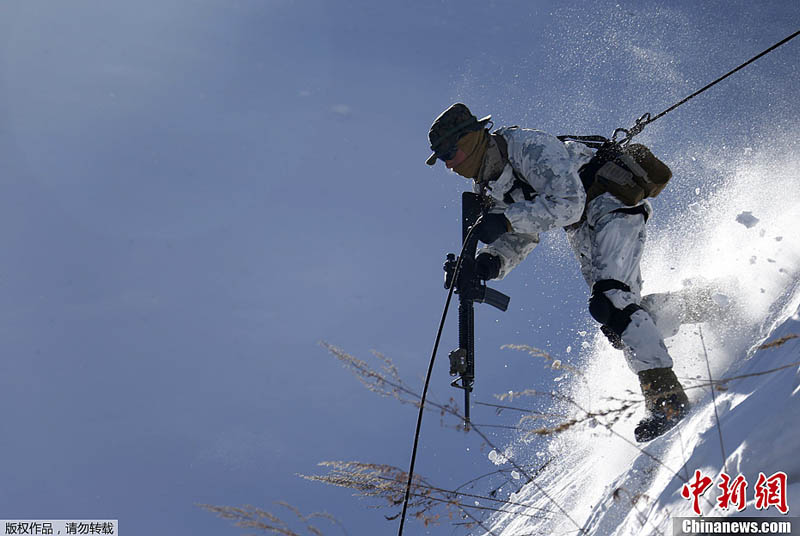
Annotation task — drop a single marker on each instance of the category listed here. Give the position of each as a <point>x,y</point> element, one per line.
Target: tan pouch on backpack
<point>635,175</point>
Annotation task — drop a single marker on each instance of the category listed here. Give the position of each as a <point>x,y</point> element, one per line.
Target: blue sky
<point>196,193</point>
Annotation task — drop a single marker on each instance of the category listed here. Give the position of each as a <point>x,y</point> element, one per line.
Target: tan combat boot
<point>665,402</point>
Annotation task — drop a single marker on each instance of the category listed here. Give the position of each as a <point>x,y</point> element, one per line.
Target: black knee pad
<point>613,338</point>
<point>603,310</point>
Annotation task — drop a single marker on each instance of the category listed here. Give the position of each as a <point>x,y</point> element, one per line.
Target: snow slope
<point>743,231</point>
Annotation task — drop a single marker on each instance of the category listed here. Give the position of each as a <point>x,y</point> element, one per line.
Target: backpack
<point>629,173</point>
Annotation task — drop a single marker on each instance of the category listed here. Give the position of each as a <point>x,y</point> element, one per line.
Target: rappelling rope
<point>645,120</point>
<point>714,400</point>
<point>723,77</point>
<point>430,371</point>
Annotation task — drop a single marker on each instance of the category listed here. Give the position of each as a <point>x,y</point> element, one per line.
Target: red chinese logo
<point>771,492</point>
<point>696,489</point>
<point>768,491</point>
<point>733,493</point>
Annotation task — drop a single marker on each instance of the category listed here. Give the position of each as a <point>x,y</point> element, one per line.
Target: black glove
<point>487,266</point>
<point>491,227</point>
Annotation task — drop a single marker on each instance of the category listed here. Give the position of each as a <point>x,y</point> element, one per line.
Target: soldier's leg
<point>617,241</point>
<point>579,238</point>
<point>617,244</point>
<point>668,310</point>
<point>700,301</point>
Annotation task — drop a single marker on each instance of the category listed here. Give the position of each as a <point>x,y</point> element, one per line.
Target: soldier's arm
<point>511,248</point>
<point>547,165</point>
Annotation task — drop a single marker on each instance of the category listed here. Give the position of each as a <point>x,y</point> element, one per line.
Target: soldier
<point>534,182</point>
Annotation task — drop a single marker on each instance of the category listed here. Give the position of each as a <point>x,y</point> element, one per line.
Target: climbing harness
<point>463,276</point>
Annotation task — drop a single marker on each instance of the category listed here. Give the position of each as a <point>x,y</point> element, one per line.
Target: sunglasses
<point>447,154</point>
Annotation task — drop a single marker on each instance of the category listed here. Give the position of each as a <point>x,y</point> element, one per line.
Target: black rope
<point>723,77</point>
<point>714,400</point>
<point>646,119</point>
<point>430,371</point>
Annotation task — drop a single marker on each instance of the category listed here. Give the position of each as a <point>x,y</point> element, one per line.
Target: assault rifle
<point>470,289</point>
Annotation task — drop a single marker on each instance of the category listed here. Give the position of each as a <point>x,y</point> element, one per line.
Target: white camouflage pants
<point>609,246</point>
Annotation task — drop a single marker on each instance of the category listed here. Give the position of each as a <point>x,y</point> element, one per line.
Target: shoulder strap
<point>519,180</point>
<point>594,142</point>
<point>502,145</point>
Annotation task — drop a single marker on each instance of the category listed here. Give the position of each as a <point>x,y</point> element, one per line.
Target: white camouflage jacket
<point>551,168</point>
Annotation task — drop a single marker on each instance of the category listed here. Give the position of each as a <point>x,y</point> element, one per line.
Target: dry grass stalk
<point>385,382</point>
<point>611,416</point>
<point>778,342</point>
<point>722,383</point>
<point>536,352</point>
<point>251,517</point>
<point>429,504</point>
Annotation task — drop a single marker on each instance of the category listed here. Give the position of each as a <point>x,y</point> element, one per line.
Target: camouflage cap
<point>451,124</point>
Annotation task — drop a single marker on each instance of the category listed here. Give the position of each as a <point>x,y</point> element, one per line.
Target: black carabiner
<point>623,141</point>
<point>637,128</point>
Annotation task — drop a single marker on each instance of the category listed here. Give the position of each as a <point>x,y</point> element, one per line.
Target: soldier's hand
<point>487,266</point>
<point>492,227</point>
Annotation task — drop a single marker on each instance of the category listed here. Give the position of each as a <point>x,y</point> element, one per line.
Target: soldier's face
<point>459,157</point>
